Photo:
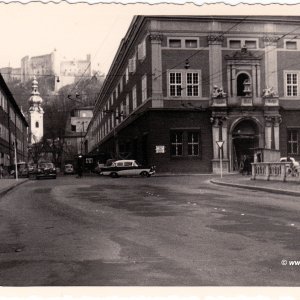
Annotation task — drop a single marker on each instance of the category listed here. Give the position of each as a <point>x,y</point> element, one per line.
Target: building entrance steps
<point>240,181</point>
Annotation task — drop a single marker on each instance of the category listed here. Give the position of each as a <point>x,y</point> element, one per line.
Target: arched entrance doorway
<point>245,138</point>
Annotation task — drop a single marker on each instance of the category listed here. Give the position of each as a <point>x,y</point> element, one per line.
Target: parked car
<point>127,168</point>
<point>22,170</point>
<point>46,170</point>
<point>68,169</point>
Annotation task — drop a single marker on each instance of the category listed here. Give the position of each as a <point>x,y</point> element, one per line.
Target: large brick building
<point>13,128</point>
<point>179,84</point>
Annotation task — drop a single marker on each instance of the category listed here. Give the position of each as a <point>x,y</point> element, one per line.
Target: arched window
<point>37,125</point>
<point>240,84</point>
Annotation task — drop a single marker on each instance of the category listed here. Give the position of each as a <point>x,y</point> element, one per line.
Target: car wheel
<point>114,175</point>
<point>145,174</point>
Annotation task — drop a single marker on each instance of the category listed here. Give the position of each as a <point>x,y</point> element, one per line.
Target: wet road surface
<point>158,231</point>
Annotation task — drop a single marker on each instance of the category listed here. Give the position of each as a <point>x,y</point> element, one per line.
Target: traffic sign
<point>220,144</point>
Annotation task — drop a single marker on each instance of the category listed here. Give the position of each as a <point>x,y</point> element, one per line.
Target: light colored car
<point>127,167</point>
<point>68,169</point>
<point>292,166</point>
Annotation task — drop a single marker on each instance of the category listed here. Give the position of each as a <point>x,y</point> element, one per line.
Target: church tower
<point>35,115</point>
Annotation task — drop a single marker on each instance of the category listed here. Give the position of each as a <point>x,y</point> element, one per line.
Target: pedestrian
<point>247,165</point>
<point>1,172</point>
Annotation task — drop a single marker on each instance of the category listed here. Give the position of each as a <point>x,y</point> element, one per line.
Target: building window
<point>291,84</point>
<point>292,142</point>
<point>144,88</point>
<point>193,143</point>
<point>185,143</point>
<point>235,44</point>
<point>189,43</point>
<point>185,83</point>
<point>192,84</point>
<point>291,45</point>
<point>238,44</point>
<point>134,102</point>
<point>250,44</point>
<point>37,125</point>
<point>126,75</point>
<point>142,50</point>
<point>175,83</point>
<point>132,64</point>
<point>175,43</point>
<point>177,143</point>
<point>73,128</point>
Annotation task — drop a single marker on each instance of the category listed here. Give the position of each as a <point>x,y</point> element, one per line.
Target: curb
<point>257,188</point>
<point>6,190</point>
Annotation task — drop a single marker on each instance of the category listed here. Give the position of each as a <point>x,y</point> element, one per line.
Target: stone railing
<point>281,171</point>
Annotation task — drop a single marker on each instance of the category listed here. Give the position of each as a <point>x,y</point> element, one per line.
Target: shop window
<point>292,144</point>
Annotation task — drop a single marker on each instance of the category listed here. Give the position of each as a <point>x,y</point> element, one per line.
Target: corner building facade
<point>180,84</point>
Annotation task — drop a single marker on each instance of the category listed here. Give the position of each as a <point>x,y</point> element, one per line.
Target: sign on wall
<point>160,149</point>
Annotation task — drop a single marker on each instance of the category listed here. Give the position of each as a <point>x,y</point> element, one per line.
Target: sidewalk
<point>277,187</point>
<point>8,184</point>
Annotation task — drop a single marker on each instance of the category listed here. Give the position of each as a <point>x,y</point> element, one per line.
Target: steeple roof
<point>35,97</point>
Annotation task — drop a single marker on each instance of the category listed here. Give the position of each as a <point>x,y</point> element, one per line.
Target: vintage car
<point>22,169</point>
<point>68,169</point>
<point>45,170</point>
<point>127,168</point>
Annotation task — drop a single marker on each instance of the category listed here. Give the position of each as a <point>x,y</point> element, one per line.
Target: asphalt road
<point>158,231</point>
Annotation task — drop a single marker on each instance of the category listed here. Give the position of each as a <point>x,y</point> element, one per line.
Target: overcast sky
<point>76,30</point>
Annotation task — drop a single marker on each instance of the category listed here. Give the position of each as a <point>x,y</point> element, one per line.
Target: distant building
<point>180,87</point>
<point>73,70</point>
<point>11,74</point>
<point>13,128</point>
<point>35,115</point>
<point>59,72</point>
<point>76,128</point>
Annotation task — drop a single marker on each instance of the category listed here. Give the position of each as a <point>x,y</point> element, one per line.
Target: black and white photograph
<point>149,145</point>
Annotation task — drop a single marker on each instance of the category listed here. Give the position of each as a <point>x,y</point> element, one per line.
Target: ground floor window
<point>185,143</point>
<point>292,142</point>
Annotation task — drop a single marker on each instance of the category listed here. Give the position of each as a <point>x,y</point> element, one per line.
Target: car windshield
<point>46,165</point>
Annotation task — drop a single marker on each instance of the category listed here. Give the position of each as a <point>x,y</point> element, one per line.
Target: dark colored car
<point>46,170</point>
